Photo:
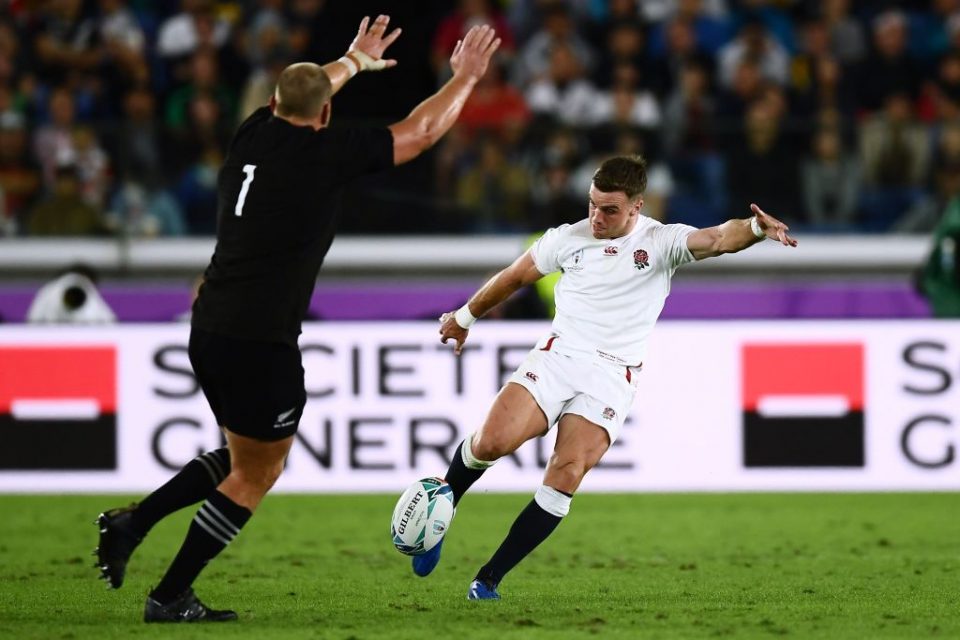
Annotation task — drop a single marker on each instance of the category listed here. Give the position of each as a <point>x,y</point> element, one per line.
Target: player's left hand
<point>450,329</point>
<point>373,44</point>
<point>774,229</point>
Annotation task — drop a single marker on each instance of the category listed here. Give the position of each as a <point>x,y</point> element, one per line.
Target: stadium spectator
<point>847,40</point>
<point>895,153</point>
<point>658,10</point>
<point>204,80</point>
<point>527,16</point>
<point>19,175</point>
<point>559,31</point>
<point>260,84</point>
<point>196,25</point>
<point>756,44</point>
<point>453,27</point>
<point>942,99</point>
<point>494,105</point>
<point>124,44</point>
<point>266,32</point>
<point>201,153</point>
<point>929,30</point>
<point>136,141</point>
<point>708,22</point>
<point>888,70</point>
<point>142,210</point>
<point>93,166</point>
<point>747,87</point>
<point>691,148</point>
<point>493,193</point>
<point>64,212</point>
<point>925,215</point>
<point>761,165</point>
<point>625,103</point>
<point>71,298</point>
<point>624,45</point>
<point>54,142</point>
<point>65,41</point>
<point>830,183</point>
<point>552,195</point>
<point>13,62</point>
<point>607,16</point>
<point>681,48</point>
<point>564,93</point>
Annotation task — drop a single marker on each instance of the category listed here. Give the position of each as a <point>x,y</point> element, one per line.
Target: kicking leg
<point>514,418</point>
<point>580,445</point>
<point>255,467</point>
<point>121,530</point>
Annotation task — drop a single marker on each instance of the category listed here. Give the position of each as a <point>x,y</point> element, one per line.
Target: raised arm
<point>433,117</point>
<point>456,324</point>
<point>365,52</point>
<point>738,234</point>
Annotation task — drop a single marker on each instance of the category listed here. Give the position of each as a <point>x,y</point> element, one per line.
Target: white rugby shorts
<point>601,392</point>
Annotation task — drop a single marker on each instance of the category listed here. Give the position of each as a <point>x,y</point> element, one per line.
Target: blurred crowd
<point>836,115</point>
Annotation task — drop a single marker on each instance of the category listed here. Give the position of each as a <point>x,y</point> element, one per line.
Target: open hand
<point>450,329</point>
<point>472,54</point>
<point>372,41</point>
<point>774,229</point>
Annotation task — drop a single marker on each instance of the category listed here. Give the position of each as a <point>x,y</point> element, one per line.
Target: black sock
<point>459,476</point>
<point>217,522</point>
<point>531,527</point>
<point>192,484</point>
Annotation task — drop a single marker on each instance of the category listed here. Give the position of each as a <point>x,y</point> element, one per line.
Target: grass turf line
<point>620,566</point>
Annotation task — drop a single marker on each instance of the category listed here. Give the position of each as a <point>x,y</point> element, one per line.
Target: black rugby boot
<point>185,608</point>
<point>118,539</point>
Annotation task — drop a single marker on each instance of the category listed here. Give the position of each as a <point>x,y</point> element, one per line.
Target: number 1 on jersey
<point>244,188</point>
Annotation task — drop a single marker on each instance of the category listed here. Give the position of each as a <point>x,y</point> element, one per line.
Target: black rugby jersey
<point>278,192</point>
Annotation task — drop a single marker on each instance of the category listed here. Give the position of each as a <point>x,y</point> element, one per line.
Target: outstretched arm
<point>433,117</point>
<point>456,324</point>
<point>365,52</point>
<point>738,234</point>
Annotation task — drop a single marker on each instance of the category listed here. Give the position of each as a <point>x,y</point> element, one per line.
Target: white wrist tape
<point>755,227</point>
<point>464,318</point>
<point>366,62</point>
<point>351,66</point>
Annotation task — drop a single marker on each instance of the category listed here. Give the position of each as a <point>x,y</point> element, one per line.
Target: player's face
<point>612,215</point>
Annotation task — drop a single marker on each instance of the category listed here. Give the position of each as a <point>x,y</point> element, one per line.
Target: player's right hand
<point>472,54</point>
<point>373,42</point>
<point>450,329</point>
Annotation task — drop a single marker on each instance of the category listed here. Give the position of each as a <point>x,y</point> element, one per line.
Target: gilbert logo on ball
<point>422,516</point>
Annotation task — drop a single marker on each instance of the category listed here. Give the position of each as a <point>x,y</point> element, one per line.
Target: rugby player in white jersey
<point>616,267</point>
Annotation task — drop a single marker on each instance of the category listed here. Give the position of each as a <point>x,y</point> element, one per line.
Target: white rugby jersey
<point>611,291</point>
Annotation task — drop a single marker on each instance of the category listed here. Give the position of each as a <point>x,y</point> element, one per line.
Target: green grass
<point>621,566</point>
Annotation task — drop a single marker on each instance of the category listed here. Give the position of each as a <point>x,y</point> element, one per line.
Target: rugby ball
<point>422,516</point>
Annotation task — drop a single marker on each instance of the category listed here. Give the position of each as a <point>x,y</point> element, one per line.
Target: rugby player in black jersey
<point>278,190</point>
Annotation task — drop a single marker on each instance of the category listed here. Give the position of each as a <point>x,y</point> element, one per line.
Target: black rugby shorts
<point>255,389</point>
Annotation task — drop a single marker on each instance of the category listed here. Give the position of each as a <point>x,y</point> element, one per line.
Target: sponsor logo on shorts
<point>611,251</point>
<point>641,259</point>
<point>531,376</point>
<point>609,413</point>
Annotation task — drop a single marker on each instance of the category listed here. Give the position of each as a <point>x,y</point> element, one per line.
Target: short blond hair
<point>302,90</point>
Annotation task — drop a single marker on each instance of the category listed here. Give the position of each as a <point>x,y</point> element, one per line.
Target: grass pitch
<point>620,566</point>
